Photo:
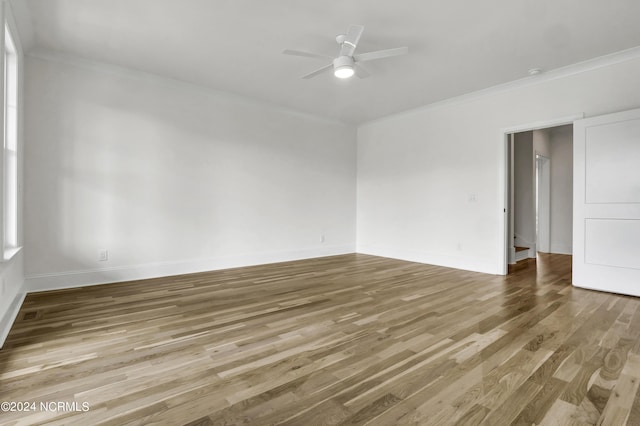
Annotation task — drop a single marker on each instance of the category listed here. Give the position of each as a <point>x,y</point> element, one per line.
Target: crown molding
<point>556,74</point>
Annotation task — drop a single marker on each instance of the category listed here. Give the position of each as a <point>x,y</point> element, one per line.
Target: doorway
<point>538,193</point>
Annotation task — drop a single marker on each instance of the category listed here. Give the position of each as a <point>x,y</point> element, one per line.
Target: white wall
<point>171,178</point>
<point>417,169</point>
<point>524,211</point>
<point>541,144</point>
<point>561,144</point>
<point>12,271</point>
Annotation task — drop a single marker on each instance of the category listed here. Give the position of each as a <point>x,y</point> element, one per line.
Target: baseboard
<point>457,262</point>
<point>74,279</point>
<point>561,249</point>
<point>10,316</point>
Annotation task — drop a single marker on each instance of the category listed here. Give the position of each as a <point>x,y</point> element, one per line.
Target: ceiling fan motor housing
<point>343,61</point>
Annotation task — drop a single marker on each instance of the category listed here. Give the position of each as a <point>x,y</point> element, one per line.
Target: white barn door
<point>606,203</point>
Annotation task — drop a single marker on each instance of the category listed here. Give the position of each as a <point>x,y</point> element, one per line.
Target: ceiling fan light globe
<point>344,71</point>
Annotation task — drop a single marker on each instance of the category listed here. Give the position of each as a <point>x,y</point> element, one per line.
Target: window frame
<point>11,156</point>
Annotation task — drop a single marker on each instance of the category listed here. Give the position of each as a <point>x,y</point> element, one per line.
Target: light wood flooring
<point>346,340</point>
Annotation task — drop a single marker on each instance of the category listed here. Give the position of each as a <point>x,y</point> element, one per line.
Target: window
<point>10,154</point>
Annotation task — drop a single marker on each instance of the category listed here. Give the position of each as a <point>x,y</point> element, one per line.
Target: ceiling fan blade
<point>351,40</point>
<point>318,71</point>
<point>380,54</point>
<point>361,72</point>
<point>354,33</point>
<point>305,54</point>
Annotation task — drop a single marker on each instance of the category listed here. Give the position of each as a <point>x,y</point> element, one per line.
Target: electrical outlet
<point>322,238</point>
<point>103,255</point>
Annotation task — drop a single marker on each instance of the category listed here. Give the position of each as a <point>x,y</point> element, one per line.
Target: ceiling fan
<point>346,64</point>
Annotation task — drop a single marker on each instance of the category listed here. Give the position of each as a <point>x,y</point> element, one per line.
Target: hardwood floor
<point>350,339</point>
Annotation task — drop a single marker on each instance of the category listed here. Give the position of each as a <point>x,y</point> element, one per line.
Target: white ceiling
<point>456,46</point>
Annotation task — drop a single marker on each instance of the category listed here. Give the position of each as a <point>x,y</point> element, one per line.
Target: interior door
<point>606,200</point>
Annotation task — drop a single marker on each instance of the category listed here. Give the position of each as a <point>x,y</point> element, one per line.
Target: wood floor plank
<point>351,339</point>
